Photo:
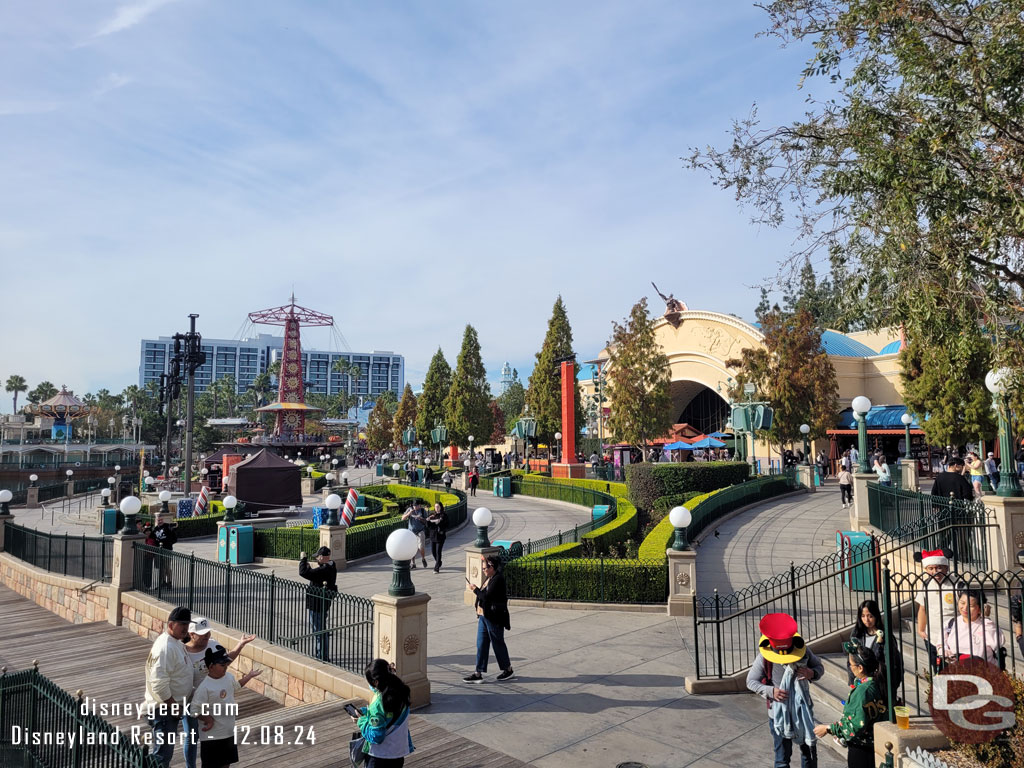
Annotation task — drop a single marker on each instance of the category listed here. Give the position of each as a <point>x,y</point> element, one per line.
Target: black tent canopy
<point>266,481</point>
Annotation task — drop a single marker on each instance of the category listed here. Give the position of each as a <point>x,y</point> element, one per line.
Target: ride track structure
<point>290,407</point>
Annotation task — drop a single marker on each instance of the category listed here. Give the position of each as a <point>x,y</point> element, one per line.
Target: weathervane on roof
<point>673,306</point>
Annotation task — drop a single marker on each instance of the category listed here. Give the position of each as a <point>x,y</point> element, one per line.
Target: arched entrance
<point>699,406</point>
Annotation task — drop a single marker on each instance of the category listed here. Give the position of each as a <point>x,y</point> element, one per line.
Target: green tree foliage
<point>430,407</point>
<point>16,385</point>
<point>467,409</point>
<point>405,417</point>
<point>793,373</point>
<point>946,391</point>
<point>378,427</point>
<point>822,297</point>
<point>42,392</point>
<point>511,401</point>
<point>390,400</point>
<point>908,176</point>
<point>544,395</point>
<point>638,380</point>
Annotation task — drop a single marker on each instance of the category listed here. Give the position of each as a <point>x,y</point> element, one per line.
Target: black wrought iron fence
<point>32,704</point>
<point>269,607</point>
<point>50,492</point>
<point>892,508</point>
<point>573,494</point>
<point>823,594</point>
<point>732,498</point>
<point>88,557</point>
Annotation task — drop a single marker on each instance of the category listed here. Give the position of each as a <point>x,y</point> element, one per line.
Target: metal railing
<point>823,595</point>
<point>88,557</point>
<point>571,494</point>
<point>728,499</point>
<point>892,508</point>
<point>269,607</point>
<point>32,704</point>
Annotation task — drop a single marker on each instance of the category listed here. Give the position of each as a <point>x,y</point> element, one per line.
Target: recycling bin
<point>858,572</point>
<point>109,522</point>
<point>379,470</point>
<point>222,543</point>
<point>600,510</point>
<point>240,544</point>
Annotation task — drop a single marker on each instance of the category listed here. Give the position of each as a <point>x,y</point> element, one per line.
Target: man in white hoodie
<point>168,683</point>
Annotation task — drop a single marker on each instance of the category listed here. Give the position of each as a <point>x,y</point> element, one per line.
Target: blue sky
<point>407,167</point>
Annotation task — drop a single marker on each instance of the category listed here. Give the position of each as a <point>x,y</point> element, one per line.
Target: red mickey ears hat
<point>779,629</point>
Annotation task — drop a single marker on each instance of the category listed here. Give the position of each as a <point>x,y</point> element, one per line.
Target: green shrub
<point>648,482</point>
<point>285,543</point>
<point>569,549</point>
<point>660,537</point>
<point>604,486</point>
<point>588,580</point>
<point>622,527</point>
<point>665,504</point>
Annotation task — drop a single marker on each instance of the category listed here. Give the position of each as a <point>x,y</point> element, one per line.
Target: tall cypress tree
<point>544,395</point>
<point>405,416</point>
<point>467,408</point>
<point>430,408</point>
<point>378,427</point>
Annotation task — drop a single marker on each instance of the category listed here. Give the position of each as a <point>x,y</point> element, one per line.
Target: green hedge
<point>649,482</point>
<point>569,549</point>
<point>618,530</point>
<point>615,489</point>
<point>660,539</point>
<point>665,504</point>
<point>604,580</point>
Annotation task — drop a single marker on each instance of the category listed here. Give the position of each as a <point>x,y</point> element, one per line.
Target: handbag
<point>357,750</point>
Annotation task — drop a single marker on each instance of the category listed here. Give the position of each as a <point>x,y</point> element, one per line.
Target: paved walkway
<point>593,688</point>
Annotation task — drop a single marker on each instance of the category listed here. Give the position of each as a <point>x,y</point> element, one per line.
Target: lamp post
<point>805,430</point>
<point>482,518</point>
<point>344,479</point>
<point>230,502</point>
<point>749,389</point>
<point>861,405</point>
<point>32,480</point>
<point>472,456</point>
<point>558,440</point>
<point>130,506</point>
<point>165,496</point>
<point>5,501</point>
<point>333,503</point>
<point>995,382</point>
<point>680,518</point>
<point>105,495</point>
<point>907,419</point>
<point>401,547</point>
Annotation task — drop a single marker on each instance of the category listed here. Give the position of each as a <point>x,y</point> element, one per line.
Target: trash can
<point>600,510</point>
<point>109,522</point>
<point>222,542</point>
<point>856,560</point>
<point>502,487</point>
<point>379,470</point>
<point>241,544</point>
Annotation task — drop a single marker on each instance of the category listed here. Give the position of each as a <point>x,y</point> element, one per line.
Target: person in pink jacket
<point>971,633</point>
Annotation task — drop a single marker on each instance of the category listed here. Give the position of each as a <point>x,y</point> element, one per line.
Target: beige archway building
<point>699,344</point>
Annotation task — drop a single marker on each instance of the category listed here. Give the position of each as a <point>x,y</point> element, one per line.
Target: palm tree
<point>43,391</point>
<point>16,384</point>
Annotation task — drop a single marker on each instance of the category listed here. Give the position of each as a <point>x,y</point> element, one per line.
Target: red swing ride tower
<point>290,408</point>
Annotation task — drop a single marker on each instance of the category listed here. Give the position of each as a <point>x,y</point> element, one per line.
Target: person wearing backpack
<point>323,585</point>
<point>781,675</point>
<point>417,517</point>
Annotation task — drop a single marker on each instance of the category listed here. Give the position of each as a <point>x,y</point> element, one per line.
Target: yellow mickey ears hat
<point>780,643</point>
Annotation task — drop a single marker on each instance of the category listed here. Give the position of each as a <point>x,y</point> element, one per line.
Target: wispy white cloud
<point>129,15</point>
<point>112,82</point>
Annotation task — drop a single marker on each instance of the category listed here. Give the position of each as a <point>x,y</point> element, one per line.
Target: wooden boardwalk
<point>107,662</point>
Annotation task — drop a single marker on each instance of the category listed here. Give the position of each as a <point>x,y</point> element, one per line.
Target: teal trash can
<point>222,543</point>
<point>858,569</point>
<point>379,470</point>
<point>502,487</point>
<point>109,522</point>
<point>512,548</point>
<point>241,544</point>
<point>599,511</point>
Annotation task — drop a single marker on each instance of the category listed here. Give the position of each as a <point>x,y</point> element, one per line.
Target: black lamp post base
<point>401,580</point>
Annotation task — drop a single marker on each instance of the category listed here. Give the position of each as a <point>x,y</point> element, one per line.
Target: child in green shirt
<point>865,707</point>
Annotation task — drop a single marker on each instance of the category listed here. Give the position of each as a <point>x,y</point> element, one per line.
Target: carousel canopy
<point>63,405</point>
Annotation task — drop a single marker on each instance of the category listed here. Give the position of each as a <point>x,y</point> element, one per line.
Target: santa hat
<point>933,557</point>
<point>780,643</point>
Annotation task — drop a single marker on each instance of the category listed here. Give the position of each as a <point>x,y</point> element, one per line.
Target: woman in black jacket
<point>437,523</point>
<point>492,621</point>
<point>869,632</point>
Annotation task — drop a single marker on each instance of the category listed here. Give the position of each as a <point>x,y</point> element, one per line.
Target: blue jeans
<point>322,644</point>
<point>191,744</point>
<point>487,634</point>
<point>1020,468</point>
<point>784,751</point>
<point>165,727</point>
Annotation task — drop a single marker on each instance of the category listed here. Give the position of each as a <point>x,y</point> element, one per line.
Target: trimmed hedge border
<point>649,482</point>
<point>660,539</point>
